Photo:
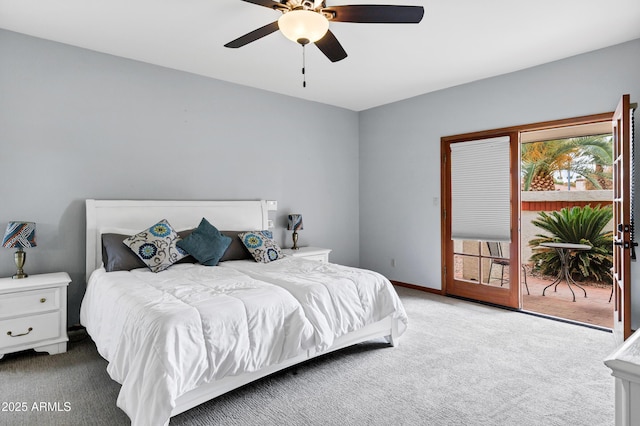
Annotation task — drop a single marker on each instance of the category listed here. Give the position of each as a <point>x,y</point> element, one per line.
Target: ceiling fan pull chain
<point>304,75</point>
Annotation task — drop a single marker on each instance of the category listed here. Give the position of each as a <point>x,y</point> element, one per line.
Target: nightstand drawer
<point>29,302</point>
<point>31,329</point>
<point>309,253</point>
<point>318,257</point>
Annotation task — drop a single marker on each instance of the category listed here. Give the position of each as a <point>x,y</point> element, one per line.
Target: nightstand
<point>33,313</point>
<point>310,253</point>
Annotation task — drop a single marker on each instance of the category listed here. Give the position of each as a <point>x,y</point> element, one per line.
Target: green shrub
<point>580,226</point>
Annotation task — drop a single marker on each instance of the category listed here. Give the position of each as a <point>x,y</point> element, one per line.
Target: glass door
<point>480,241</point>
<point>624,244</point>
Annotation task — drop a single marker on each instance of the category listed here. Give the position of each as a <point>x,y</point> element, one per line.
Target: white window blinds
<point>480,190</point>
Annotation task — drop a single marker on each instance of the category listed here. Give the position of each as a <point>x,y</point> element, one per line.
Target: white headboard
<point>136,215</point>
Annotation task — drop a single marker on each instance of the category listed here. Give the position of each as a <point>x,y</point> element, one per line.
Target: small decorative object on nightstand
<point>20,235</point>
<point>295,224</point>
<point>33,313</point>
<point>309,253</point>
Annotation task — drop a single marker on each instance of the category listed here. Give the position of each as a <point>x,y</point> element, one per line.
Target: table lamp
<point>20,235</point>
<point>295,224</point>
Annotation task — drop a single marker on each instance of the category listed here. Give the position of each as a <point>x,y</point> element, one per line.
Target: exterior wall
<point>532,202</point>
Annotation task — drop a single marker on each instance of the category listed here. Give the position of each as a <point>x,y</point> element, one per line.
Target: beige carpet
<point>459,363</point>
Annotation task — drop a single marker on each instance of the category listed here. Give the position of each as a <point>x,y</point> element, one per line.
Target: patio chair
<point>495,251</point>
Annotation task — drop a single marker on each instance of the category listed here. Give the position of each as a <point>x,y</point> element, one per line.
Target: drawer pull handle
<point>23,334</point>
<point>44,299</point>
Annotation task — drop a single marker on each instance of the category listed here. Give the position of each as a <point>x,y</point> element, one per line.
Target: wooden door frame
<point>622,215</point>
<point>445,192</point>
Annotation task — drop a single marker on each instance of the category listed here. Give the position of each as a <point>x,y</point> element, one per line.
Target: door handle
<point>625,244</point>
<point>623,228</point>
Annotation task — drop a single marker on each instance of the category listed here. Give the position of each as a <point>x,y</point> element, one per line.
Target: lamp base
<point>20,256</point>
<point>294,236</point>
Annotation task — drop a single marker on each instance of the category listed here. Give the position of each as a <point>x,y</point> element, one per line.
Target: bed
<point>180,337</point>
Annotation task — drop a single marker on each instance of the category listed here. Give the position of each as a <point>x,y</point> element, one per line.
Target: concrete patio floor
<point>595,309</point>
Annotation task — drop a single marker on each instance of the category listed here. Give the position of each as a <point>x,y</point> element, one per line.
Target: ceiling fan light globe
<point>303,24</point>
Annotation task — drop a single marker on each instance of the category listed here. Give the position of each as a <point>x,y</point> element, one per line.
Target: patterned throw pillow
<point>156,246</point>
<point>261,246</point>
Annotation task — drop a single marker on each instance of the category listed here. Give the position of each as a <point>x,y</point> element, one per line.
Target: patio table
<point>564,250</point>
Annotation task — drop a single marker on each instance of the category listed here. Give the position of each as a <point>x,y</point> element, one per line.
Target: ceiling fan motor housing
<point>307,21</point>
<point>307,4</point>
<point>304,4</point>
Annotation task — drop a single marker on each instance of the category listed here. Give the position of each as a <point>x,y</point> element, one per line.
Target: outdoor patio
<point>595,309</point>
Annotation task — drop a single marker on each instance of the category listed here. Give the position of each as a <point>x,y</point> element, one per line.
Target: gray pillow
<point>118,257</point>
<point>236,250</point>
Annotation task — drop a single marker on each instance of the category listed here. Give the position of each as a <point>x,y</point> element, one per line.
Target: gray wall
<point>75,124</point>
<point>400,146</point>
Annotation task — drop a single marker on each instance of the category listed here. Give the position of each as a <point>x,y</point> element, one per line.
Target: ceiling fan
<point>307,21</point>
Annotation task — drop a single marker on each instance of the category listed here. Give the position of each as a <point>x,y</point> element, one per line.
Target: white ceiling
<point>458,41</point>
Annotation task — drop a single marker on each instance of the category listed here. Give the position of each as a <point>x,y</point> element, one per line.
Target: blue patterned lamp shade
<point>295,222</point>
<point>20,235</point>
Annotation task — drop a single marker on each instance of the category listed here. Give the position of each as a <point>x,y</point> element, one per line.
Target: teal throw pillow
<point>205,243</point>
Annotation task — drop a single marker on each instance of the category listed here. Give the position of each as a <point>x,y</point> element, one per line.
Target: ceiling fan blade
<point>266,3</point>
<point>331,47</point>
<point>376,14</point>
<point>253,35</point>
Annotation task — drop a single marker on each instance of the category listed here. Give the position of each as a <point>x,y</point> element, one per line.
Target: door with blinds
<point>480,239</point>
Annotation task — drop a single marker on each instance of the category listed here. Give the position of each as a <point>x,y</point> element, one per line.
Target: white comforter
<point>336,299</point>
<point>164,334</point>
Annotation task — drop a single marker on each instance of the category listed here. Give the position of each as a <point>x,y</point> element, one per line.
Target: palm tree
<point>587,156</point>
<point>540,160</point>
<point>598,151</point>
